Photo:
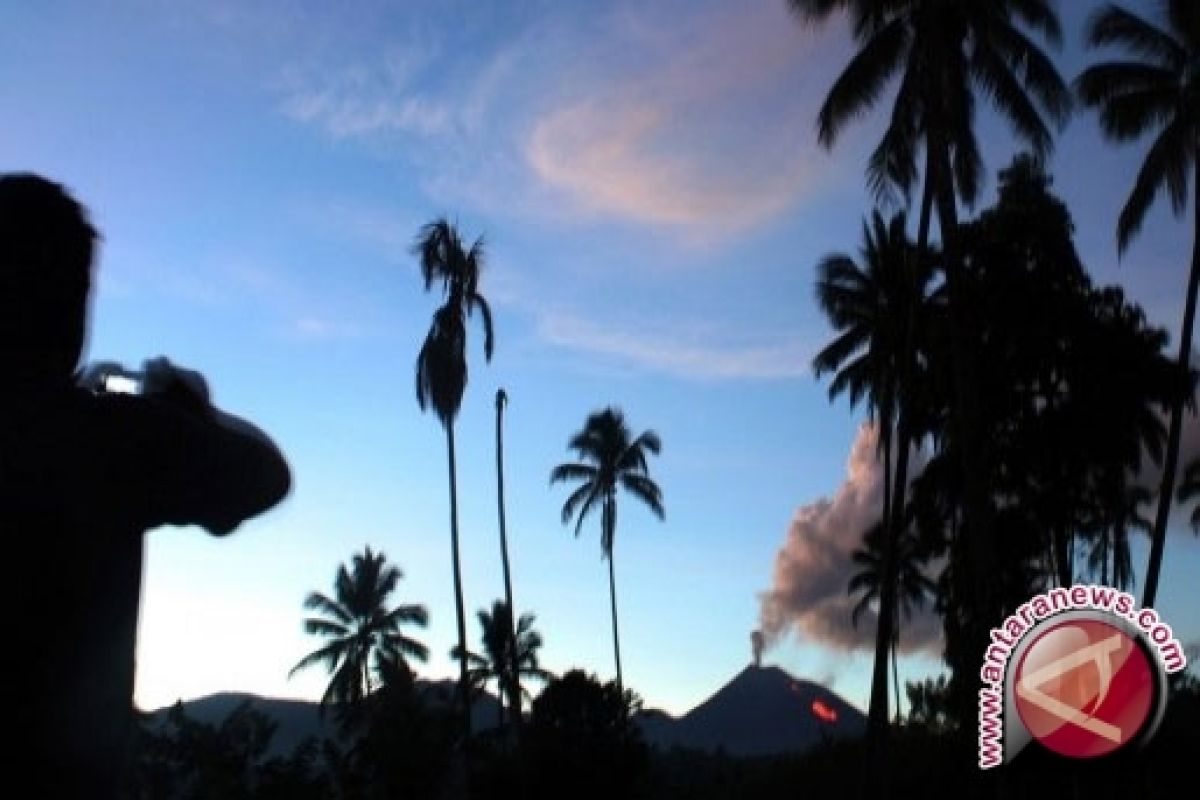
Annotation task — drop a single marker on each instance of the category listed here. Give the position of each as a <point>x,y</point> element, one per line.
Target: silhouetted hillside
<point>298,720</point>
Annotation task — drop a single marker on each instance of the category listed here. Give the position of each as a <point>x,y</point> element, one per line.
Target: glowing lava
<point>823,712</point>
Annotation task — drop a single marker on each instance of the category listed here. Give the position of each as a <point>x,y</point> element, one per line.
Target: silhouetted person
<point>82,477</point>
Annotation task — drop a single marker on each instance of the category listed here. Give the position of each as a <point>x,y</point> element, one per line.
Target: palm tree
<point>876,308</point>
<point>1190,489</point>
<point>1157,92</point>
<point>944,52</point>
<point>1112,539</point>
<point>609,458</point>
<point>442,371</point>
<point>913,587</point>
<point>502,664</point>
<point>361,628</point>
<point>501,401</point>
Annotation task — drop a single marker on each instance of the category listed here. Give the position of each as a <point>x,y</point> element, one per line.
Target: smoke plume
<point>808,593</point>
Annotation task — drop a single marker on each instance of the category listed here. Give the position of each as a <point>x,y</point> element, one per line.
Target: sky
<point>653,202</point>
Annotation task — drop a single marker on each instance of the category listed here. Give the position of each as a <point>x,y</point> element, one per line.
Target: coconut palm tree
<point>1155,91</point>
<point>442,371</point>
<point>876,308</point>
<point>913,587</point>
<point>497,662</point>
<point>1111,545</point>
<point>501,402</point>
<point>609,459</point>
<point>362,630</point>
<point>1189,489</point>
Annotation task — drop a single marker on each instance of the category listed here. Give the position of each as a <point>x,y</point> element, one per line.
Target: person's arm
<point>201,465</point>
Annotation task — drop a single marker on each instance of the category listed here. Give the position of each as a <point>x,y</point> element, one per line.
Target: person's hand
<point>186,387</point>
<point>93,376</point>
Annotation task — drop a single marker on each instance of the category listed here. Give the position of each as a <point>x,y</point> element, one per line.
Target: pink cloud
<point>700,123</point>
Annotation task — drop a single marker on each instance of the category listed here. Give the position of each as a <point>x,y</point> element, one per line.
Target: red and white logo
<point>1080,670</point>
<point>1084,688</point>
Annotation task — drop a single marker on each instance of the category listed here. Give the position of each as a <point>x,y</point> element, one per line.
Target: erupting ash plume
<point>756,645</point>
<point>808,592</point>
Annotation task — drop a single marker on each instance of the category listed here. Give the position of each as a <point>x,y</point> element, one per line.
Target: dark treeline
<point>578,742</point>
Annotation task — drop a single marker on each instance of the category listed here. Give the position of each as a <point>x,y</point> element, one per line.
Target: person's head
<point>46,245</point>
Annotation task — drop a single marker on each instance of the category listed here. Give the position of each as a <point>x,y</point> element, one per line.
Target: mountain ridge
<point>761,711</point>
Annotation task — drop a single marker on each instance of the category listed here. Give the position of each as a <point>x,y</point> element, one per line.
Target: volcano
<point>762,711</point>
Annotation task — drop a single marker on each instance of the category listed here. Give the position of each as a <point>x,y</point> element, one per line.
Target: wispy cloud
<point>696,355</point>
<point>366,99</point>
<point>681,115</point>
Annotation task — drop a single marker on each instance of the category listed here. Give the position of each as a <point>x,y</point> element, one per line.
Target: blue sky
<point>654,203</point>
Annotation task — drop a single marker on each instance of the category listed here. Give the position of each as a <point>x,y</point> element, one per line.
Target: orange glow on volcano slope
<point>823,712</point>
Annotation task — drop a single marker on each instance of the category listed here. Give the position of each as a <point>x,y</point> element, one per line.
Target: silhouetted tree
<point>1110,544</point>
<point>1072,361</point>
<point>945,52</point>
<point>405,742</point>
<point>1156,91</point>
<point>928,705</point>
<point>361,628</point>
<point>912,586</point>
<point>512,649</point>
<point>499,663</point>
<point>610,458</point>
<point>194,760</point>
<point>442,372</point>
<point>875,308</point>
<point>582,741</point>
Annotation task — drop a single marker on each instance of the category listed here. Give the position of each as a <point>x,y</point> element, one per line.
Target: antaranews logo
<point>1081,670</point>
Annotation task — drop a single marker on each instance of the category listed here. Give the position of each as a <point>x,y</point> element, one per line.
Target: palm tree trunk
<point>877,710</point>
<point>1166,492</point>
<point>885,632</point>
<point>464,697</point>
<point>896,664</point>
<point>514,701</point>
<point>885,430</point>
<point>1062,557</point>
<point>1109,539</point>
<point>610,513</point>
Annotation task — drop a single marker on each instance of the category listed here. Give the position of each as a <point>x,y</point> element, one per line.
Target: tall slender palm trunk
<point>515,699</point>
<point>896,667</point>
<point>610,522</point>
<point>464,695</point>
<point>612,596</point>
<point>877,711</point>
<point>1166,491</point>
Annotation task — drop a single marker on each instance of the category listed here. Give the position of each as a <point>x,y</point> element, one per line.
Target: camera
<point>108,377</point>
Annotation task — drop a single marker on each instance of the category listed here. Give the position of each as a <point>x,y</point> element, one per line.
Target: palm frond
<point>993,75</point>
<point>1114,25</point>
<point>857,88</point>
<point>331,608</point>
<point>578,496</point>
<point>646,490</point>
<point>592,498</point>
<point>573,472</point>
<point>476,301</point>
<point>330,654</point>
<point>324,627</point>
<point>1166,165</point>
